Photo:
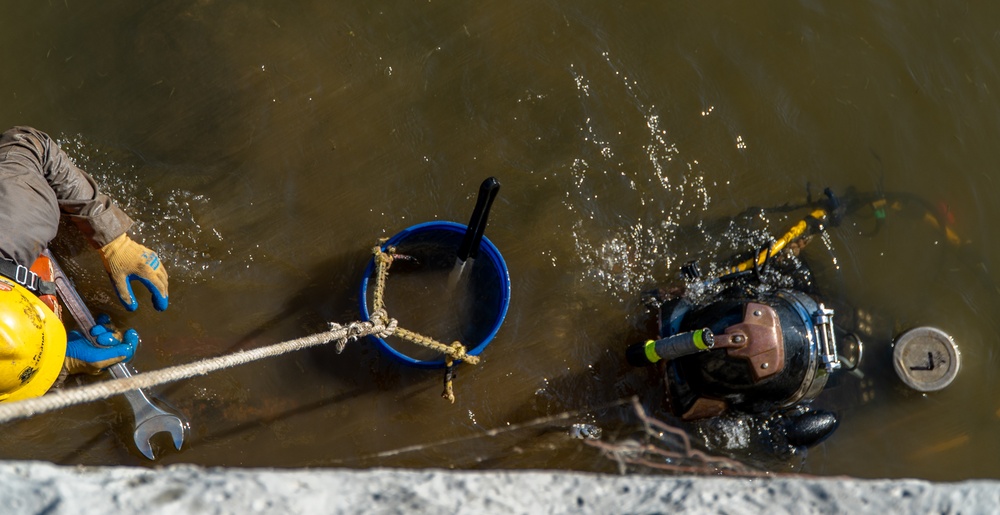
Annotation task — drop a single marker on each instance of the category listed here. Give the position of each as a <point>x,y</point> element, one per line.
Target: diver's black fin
<point>811,428</point>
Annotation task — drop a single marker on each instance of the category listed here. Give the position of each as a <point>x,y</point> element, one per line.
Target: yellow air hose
<point>814,219</point>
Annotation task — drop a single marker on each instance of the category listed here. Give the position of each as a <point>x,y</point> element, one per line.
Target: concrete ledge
<point>43,488</point>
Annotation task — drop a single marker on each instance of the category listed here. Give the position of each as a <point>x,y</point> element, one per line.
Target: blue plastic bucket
<point>434,246</point>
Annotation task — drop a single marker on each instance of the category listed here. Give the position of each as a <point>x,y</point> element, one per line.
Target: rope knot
<point>390,328</point>
<point>457,351</point>
<point>384,257</point>
<point>379,317</point>
<point>348,333</point>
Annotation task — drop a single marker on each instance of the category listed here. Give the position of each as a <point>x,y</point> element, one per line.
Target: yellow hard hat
<point>32,344</point>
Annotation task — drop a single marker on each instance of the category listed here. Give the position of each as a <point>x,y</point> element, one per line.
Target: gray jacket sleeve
<point>38,181</point>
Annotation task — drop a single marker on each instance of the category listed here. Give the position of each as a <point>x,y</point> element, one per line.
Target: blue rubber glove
<point>85,357</point>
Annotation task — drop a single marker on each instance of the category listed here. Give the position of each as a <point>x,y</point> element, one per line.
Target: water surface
<point>264,147</point>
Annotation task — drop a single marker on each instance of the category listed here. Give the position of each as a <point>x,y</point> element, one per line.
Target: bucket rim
<point>486,249</point>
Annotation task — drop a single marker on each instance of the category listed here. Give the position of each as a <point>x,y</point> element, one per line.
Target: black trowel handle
<point>477,224</point>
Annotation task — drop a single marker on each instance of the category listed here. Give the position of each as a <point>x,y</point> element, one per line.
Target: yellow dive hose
<point>817,219</point>
<point>814,219</point>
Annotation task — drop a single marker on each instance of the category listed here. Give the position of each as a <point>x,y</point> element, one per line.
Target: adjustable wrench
<point>149,419</point>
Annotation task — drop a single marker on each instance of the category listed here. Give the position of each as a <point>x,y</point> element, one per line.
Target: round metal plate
<point>926,359</point>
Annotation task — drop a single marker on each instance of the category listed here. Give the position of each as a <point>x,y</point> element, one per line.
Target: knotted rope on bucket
<point>454,352</point>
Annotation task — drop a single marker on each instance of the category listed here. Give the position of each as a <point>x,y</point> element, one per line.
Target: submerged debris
<point>585,432</point>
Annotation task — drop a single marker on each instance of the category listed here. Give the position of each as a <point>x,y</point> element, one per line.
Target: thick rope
<point>454,351</point>
<point>379,325</point>
<point>383,260</point>
<point>449,379</point>
<point>66,397</point>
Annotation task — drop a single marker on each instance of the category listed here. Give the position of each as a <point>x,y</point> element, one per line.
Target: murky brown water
<point>263,149</point>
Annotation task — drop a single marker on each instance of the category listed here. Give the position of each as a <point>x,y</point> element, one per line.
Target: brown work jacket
<point>38,182</point>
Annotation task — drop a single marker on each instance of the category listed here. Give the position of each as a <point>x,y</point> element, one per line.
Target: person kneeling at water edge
<point>38,183</point>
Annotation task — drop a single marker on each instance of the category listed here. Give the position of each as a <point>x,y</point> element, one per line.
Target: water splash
<point>669,192</point>
<point>166,220</point>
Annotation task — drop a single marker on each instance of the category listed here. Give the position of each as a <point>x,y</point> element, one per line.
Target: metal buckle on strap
<point>25,277</point>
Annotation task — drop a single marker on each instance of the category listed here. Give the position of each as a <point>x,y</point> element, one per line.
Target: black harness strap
<point>25,277</point>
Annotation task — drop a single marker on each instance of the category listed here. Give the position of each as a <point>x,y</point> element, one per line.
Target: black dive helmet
<point>757,351</point>
<point>758,354</point>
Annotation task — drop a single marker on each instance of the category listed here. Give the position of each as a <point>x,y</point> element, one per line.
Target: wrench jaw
<point>150,419</point>
<point>145,448</point>
<point>165,423</point>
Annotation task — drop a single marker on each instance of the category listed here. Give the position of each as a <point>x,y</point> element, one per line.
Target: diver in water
<point>745,350</point>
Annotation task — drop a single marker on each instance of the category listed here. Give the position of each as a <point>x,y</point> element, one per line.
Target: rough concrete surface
<point>44,488</point>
